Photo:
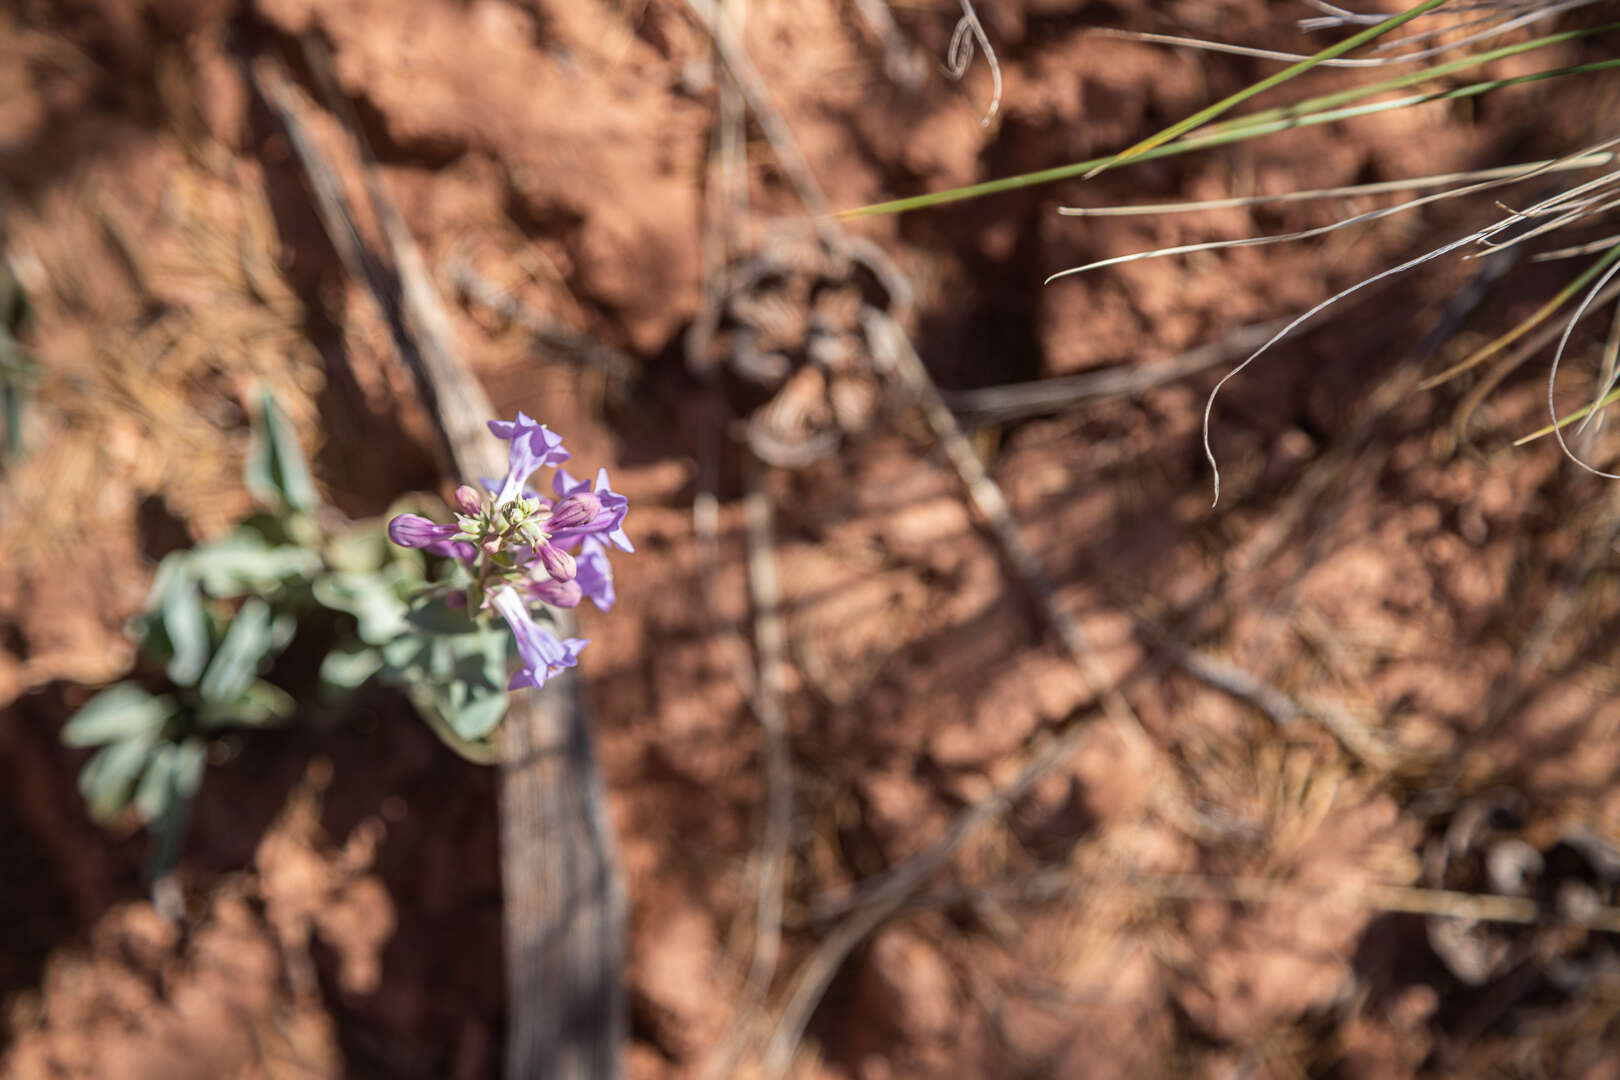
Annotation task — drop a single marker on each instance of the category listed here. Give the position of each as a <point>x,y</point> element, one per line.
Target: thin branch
<point>898,358</point>
<point>881,897</point>
<point>1018,401</point>
<point>770,640</point>
<point>546,329</point>
<point>731,49</point>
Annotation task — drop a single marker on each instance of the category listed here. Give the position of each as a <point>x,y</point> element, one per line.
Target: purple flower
<point>533,446</point>
<point>416,531</point>
<point>558,563</point>
<point>563,594</point>
<point>575,511</point>
<point>593,575</point>
<point>609,519</point>
<point>543,655</point>
<point>453,549</point>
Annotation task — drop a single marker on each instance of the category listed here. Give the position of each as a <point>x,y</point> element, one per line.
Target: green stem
<point>1204,142</point>
<point>1204,116</point>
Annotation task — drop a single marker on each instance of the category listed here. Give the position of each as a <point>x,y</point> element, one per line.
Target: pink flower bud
<point>558,563</point>
<point>467,500</point>
<point>575,511</point>
<point>563,594</point>
<point>416,531</point>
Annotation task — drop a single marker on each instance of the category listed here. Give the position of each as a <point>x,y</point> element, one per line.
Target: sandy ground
<point>1455,601</point>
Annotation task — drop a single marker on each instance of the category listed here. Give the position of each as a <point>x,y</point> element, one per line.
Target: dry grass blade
<point>1209,403</point>
<point>1539,316</point>
<point>1381,187</point>
<point>1281,709</point>
<point>783,144</point>
<point>1558,358</point>
<point>1065,884</point>
<point>1506,366</point>
<point>1524,173</point>
<point>1204,116</point>
<point>1546,11</point>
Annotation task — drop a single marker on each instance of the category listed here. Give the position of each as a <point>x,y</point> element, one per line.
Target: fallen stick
<point>563,904</point>
<point>1019,401</point>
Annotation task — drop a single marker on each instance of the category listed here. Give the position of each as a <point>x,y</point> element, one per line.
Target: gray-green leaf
<point>109,777</point>
<point>250,637</point>
<point>276,472</point>
<point>373,599</point>
<point>244,563</point>
<point>122,711</point>
<point>350,665</point>
<point>185,623</point>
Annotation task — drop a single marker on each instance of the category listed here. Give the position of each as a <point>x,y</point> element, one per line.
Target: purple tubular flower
<point>595,575</point>
<point>563,594</point>
<point>453,549</point>
<point>416,531</point>
<point>558,563</point>
<point>533,446</point>
<point>608,521</point>
<point>574,511</point>
<point>543,655</point>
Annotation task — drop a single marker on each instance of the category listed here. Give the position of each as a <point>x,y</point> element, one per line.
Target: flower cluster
<point>524,549</point>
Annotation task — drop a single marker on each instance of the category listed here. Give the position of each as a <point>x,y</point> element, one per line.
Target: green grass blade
<point>1256,123</point>
<point>1401,82</point>
<point>1204,116</point>
<point>1541,315</point>
<point>1208,140</point>
<point>1608,399</point>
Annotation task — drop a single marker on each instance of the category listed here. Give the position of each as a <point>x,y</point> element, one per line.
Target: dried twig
<point>729,43</point>
<point>1019,401</point>
<point>1056,883</point>
<point>1279,707</point>
<point>546,330</point>
<point>896,354</point>
<point>881,897</point>
<point>770,640</point>
<point>563,905</point>
<point>903,63</point>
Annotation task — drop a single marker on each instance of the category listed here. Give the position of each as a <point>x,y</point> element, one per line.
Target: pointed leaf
<point>244,563</point>
<point>108,778</point>
<point>276,472</point>
<point>184,622</point>
<point>237,660</point>
<point>351,665</point>
<point>156,788</point>
<point>122,711</point>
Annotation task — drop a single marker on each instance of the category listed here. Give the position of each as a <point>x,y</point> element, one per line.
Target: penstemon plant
<point>417,614</point>
<point>521,554</point>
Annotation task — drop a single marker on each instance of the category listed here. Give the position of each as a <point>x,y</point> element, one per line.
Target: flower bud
<point>467,500</point>
<point>563,594</point>
<point>575,511</point>
<point>416,531</point>
<point>558,563</point>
